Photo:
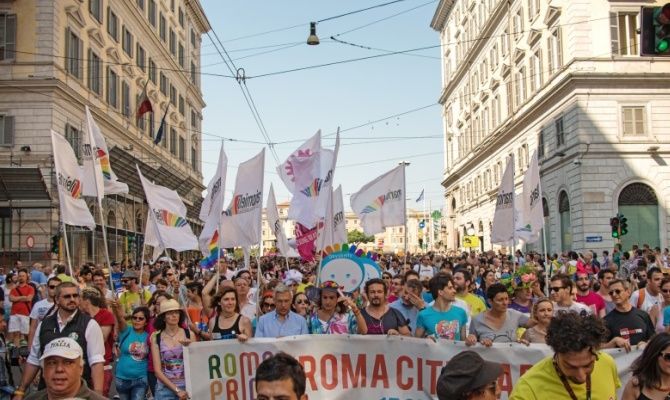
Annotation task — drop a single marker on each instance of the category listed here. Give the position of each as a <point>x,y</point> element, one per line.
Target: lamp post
<point>405,164</point>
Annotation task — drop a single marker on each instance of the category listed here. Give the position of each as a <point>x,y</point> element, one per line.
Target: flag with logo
<point>381,202</point>
<point>241,222</point>
<point>99,178</point>
<point>276,226</point>
<point>333,230</point>
<point>212,205</point>
<point>531,215</point>
<point>73,208</point>
<point>168,213</point>
<point>503,229</point>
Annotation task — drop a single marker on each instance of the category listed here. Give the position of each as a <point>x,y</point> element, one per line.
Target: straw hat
<point>170,305</point>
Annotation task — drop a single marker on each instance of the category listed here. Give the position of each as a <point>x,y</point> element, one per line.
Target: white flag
<point>151,238</point>
<point>276,226</point>
<point>98,175</point>
<point>168,216</point>
<point>308,149</point>
<point>381,203</point>
<point>531,215</point>
<point>212,205</point>
<point>503,228</point>
<point>241,222</point>
<point>333,230</point>
<point>73,208</point>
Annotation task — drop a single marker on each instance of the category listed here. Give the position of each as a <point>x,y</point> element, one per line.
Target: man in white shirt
<point>425,269</point>
<point>645,299</point>
<point>561,294</point>
<point>42,307</point>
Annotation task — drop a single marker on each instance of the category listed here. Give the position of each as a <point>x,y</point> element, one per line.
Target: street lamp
<point>312,39</point>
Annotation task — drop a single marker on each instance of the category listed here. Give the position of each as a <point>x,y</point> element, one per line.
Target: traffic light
<point>623,225</point>
<point>655,32</point>
<point>422,224</point>
<point>614,224</point>
<point>55,244</point>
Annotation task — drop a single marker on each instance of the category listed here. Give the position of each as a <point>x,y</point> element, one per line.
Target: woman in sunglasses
<point>131,369</point>
<point>229,323</point>
<point>651,371</point>
<point>336,314</point>
<point>300,304</point>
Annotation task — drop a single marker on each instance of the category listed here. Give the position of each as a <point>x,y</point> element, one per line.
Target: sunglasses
<point>557,288</point>
<point>266,305</point>
<point>53,286</point>
<point>665,356</point>
<point>301,302</point>
<point>124,280</point>
<point>615,291</point>
<point>138,318</point>
<point>70,296</point>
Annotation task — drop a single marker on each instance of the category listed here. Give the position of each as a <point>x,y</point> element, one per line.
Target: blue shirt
<point>269,325</point>
<point>133,361</point>
<point>38,277</point>
<point>443,324</point>
<point>410,313</point>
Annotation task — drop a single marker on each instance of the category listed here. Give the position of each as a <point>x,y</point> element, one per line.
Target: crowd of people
<point>130,335</point>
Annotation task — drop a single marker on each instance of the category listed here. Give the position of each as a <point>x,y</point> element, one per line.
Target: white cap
<point>63,347</point>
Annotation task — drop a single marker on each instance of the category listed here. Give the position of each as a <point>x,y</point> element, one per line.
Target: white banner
<point>333,230</point>
<point>531,215</point>
<point>503,229</point>
<point>381,203</point>
<point>351,367</point>
<point>73,209</point>
<point>241,222</point>
<point>277,227</point>
<point>212,204</point>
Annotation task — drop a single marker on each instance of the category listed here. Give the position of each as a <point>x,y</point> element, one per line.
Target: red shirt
<point>592,300</point>
<point>22,307</point>
<point>105,318</point>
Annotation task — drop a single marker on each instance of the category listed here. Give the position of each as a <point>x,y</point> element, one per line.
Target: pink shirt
<point>592,300</point>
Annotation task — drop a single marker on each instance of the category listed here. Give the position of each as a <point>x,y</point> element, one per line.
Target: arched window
<point>637,194</point>
<point>566,223</point>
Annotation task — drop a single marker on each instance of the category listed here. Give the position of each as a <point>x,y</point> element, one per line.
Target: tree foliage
<point>357,236</point>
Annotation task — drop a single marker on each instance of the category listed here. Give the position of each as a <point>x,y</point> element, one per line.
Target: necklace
<point>566,384</point>
<point>172,335</point>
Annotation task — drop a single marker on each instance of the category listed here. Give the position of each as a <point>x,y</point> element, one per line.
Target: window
<point>554,51</point>
<point>127,42</point>
<point>193,38</point>
<point>173,42</point>
<point>181,55</point>
<point>172,5</point>
<point>112,87</point>
<point>560,132</point>
<point>140,57</point>
<point>634,121</point>
<point>520,86</point>
<point>152,12</point>
<point>6,130</point>
<point>173,95</point>
<point>164,139</point>
<point>162,26</point>
<point>95,9</point>
<point>193,119</point>
<point>7,36</point>
<point>112,24</point>
<point>518,23</point>
<point>194,159</point>
<point>141,122</point>
<point>73,136</point>
<point>181,17</point>
<point>74,52</point>
<point>164,84</point>
<point>540,145</point>
<point>182,149</point>
<point>140,4</point>
<point>623,32</point>
<point>94,72</point>
<point>192,72</point>
<point>181,104</point>
<point>536,76</point>
<point>151,124</point>
<point>173,141</point>
<point>152,70</point>
<point>125,99</point>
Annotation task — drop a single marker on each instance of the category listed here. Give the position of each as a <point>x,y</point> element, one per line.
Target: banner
<point>96,161</point>
<point>241,222</point>
<point>503,230</point>
<point>276,226</point>
<point>212,206</point>
<point>381,203</point>
<point>334,229</point>
<point>73,209</point>
<point>531,215</point>
<point>353,367</point>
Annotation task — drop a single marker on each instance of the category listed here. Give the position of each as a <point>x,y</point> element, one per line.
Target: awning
<point>21,184</point>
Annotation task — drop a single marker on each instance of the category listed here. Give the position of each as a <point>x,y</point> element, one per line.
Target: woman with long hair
<point>543,311</point>
<point>131,369</point>
<point>300,304</point>
<point>335,313</point>
<point>167,351</point>
<point>229,323</point>
<point>651,371</point>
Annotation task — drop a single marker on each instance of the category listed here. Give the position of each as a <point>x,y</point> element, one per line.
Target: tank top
<point>219,333</point>
<point>172,363</point>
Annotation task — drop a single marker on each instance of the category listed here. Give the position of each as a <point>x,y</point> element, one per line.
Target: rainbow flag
<point>210,261</point>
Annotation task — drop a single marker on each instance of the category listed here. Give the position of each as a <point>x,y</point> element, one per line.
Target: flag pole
<point>104,239</point>
<point>67,248</point>
<point>218,242</point>
<point>404,188</point>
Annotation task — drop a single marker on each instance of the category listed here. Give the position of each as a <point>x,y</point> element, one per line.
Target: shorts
<point>19,323</point>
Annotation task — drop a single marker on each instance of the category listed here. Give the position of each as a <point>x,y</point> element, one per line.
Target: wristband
<point>20,393</point>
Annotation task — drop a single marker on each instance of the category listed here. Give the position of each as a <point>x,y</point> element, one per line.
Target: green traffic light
<point>662,46</point>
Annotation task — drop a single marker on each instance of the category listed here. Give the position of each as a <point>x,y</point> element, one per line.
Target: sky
<point>270,36</point>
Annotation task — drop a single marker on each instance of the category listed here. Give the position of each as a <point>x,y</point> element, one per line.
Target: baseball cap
<point>62,347</point>
<point>465,372</point>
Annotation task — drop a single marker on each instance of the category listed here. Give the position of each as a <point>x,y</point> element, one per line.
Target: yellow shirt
<point>475,304</point>
<point>64,278</point>
<point>542,382</point>
<point>131,300</point>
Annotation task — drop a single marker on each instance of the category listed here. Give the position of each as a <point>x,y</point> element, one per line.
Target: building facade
<point>392,240</point>
<point>56,57</point>
<point>563,78</point>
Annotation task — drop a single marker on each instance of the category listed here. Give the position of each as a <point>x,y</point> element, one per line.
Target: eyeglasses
<point>268,305</point>
<point>70,296</point>
<point>301,302</point>
<point>666,291</point>
<point>615,291</point>
<point>665,356</point>
<point>53,286</point>
<point>138,318</point>
<point>557,288</point>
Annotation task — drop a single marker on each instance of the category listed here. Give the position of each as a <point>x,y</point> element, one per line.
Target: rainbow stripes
<point>169,219</point>
<point>210,261</point>
<point>376,205</point>
<point>313,189</point>
<point>104,164</point>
